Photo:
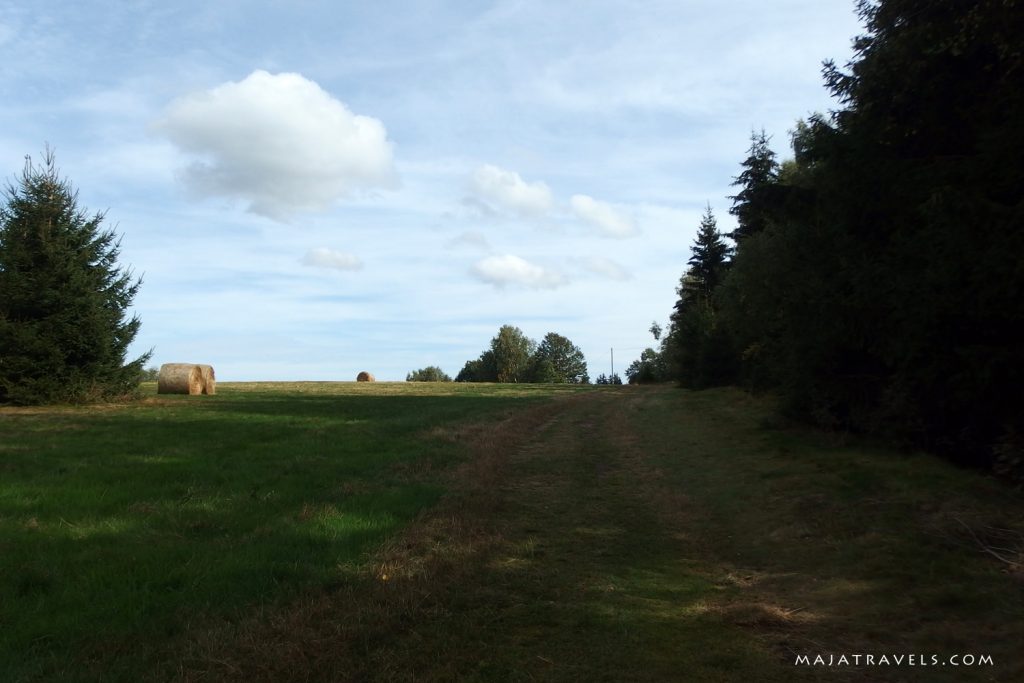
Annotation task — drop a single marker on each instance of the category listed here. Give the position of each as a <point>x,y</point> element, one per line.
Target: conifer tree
<point>709,255</point>
<point>64,330</point>
<point>701,354</point>
<point>760,173</point>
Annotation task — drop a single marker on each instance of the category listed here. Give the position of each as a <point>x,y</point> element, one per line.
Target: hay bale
<point>364,376</point>
<point>180,378</point>
<point>209,379</point>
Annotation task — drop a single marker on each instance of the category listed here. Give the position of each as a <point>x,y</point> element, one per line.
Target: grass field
<point>335,531</point>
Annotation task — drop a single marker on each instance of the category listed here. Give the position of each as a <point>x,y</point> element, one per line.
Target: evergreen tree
<point>709,256</point>
<point>64,333</point>
<point>701,354</point>
<point>886,295</point>
<point>760,173</point>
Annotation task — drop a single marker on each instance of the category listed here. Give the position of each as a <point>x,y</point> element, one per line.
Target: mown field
<point>335,531</point>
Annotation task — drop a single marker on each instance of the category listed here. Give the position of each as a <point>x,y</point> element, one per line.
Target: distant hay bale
<point>209,379</point>
<point>364,376</point>
<point>180,378</point>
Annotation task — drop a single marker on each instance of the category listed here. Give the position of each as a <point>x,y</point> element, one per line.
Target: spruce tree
<point>709,255</point>
<point>64,330</point>
<point>701,355</point>
<point>760,173</point>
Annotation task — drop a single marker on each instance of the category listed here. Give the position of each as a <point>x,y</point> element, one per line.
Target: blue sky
<point>316,188</point>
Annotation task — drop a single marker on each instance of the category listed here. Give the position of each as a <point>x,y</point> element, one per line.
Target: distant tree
<point>760,173</point>
<point>565,358</point>
<point>651,366</point>
<point>150,374</point>
<point>615,379</point>
<point>511,350</point>
<point>431,373</point>
<point>544,372</point>
<point>646,369</point>
<point>64,330</point>
<point>482,369</point>
<point>602,379</point>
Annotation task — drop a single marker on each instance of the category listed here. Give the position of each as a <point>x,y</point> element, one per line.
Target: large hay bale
<point>180,378</point>
<point>364,376</point>
<point>209,379</point>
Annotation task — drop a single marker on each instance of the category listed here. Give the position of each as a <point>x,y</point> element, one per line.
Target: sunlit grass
<point>121,525</point>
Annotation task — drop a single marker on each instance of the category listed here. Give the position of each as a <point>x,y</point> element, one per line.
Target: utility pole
<point>613,365</point>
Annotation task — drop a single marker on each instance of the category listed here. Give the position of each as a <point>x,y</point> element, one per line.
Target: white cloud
<point>512,270</point>
<point>322,257</point>
<point>506,190</point>
<point>278,142</point>
<point>611,222</point>
<point>606,268</point>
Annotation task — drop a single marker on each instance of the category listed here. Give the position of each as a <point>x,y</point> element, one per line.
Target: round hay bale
<point>180,378</point>
<point>209,379</point>
<point>365,376</point>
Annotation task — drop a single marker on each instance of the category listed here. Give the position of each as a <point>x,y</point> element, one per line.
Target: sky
<point>313,188</point>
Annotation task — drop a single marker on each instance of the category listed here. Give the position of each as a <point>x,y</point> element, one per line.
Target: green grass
<point>329,532</point>
<point>121,526</point>
<point>844,546</point>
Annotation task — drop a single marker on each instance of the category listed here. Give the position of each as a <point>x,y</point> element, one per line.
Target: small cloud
<point>606,268</point>
<point>611,222</point>
<point>322,257</point>
<point>498,188</point>
<point>278,142</point>
<point>512,270</point>
<point>470,238</point>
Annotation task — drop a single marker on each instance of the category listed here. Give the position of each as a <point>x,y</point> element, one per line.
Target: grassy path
<point>652,534</point>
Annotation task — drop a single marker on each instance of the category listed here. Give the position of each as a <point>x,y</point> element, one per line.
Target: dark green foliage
<point>514,357</point>
<point>480,370</point>
<point>751,205</point>
<point>647,369</point>
<point>652,366</point>
<point>883,290</point>
<point>431,373</point>
<point>63,298</point>
<point>700,347</point>
<point>709,257</point>
<point>544,372</point>
<point>604,379</point>
<point>558,360</point>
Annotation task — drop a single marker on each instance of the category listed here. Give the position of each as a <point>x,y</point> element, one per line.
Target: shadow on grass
<point>120,527</point>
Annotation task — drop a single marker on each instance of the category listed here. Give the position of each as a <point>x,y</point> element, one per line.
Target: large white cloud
<point>512,270</point>
<point>504,189</point>
<point>278,142</point>
<point>322,257</point>
<point>610,221</point>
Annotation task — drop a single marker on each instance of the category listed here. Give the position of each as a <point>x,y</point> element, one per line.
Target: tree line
<point>875,280</point>
<point>513,357</point>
